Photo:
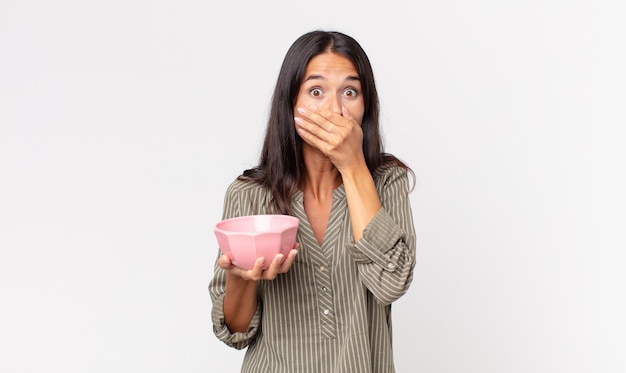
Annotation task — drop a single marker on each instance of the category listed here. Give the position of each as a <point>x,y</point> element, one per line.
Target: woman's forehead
<point>330,64</point>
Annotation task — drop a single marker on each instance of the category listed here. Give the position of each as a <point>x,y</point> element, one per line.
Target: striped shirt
<point>331,312</point>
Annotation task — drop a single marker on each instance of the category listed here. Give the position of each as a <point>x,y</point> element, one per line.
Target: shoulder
<point>241,186</point>
<point>392,182</point>
<point>245,188</point>
<point>249,196</point>
<point>388,174</point>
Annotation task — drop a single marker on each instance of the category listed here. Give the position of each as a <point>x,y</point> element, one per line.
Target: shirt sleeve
<point>385,254</point>
<point>236,340</point>
<point>217,287</point>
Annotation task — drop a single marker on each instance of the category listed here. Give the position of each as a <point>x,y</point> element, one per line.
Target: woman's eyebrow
<point>314,77</point>
<point>321,77</point>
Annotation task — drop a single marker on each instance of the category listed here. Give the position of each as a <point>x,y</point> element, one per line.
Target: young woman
<point>326,306</point>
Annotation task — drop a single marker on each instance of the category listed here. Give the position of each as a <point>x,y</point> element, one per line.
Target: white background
<point>122,123</point>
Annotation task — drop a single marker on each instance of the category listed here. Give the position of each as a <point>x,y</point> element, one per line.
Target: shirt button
<point>391,266</point>
<point>324,288</point>
<point>322,268</point>
<point>326,311</point>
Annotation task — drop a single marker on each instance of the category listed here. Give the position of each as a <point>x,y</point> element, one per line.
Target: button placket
<point>326,301</point>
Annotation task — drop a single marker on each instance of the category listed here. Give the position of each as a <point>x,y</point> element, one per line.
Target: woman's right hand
<point>240,300</point>
<point>280,264</point>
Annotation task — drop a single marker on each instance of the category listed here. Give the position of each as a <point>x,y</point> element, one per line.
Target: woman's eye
<point>315,92</point>
<point>350,92</point>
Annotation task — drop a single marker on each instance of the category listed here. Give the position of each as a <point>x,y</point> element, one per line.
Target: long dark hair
<point>281,165</point>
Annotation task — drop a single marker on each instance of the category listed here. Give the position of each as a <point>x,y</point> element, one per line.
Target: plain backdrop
<point>122,123</point>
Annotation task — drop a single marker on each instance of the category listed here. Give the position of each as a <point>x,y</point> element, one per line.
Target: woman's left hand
<point>338,136</point>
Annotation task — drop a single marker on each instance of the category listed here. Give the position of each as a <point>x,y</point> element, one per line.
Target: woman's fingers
<point>312,132</point>
<point>254,274</point>
<point>257,271</point>
<point>291,257</point>
<point>274,268</point>
<point>322,129</point>
<point>225,262</point>
<point>345,113</point>
<point>311,136</point>
<point>280,264</point>
<point>336,135</point>
<point>322,121</point>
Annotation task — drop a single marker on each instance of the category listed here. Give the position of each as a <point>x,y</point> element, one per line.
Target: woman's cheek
<point>356,112</point>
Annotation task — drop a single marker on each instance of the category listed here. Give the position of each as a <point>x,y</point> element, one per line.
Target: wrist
<point>355,172</point>
<point>237,281</point>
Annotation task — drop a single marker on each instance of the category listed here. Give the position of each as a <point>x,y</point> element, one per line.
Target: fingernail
<point>297,120</point>
<point>281,259</point>
<point>301,110</point>
<point>313,108</point>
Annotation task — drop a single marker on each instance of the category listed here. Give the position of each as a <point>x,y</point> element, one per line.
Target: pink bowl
<point>246,238</point>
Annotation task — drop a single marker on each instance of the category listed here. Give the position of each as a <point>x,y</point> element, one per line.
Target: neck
<point>322,177</point>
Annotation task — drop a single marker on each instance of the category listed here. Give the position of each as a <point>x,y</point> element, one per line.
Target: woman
<point>326,306</point>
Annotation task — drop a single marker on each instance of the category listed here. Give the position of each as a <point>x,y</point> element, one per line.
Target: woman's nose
<point>334,104</point>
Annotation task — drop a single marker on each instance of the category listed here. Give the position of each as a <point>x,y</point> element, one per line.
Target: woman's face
<point>331,81</point>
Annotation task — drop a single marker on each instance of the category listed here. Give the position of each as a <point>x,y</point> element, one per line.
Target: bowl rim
<point>282,216</point>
